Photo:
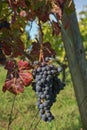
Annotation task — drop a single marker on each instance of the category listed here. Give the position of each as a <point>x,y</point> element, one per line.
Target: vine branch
<point>33,119</point>
<point>37,124</point>
<point>11,113</point>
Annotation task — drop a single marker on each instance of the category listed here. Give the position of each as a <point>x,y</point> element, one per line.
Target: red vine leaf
<point>17,3</point>
<point>2,58</point>
<point>10,66</point>
<point>17,76</point>
<point>23,65</point>
<point>15,86</point>
<point>13,49</point>
<point>18,48</point>
<point>38,8</point>
<point>55,28</point>
<point>48,51</point>
<point>24,72</point>
<point>26,77</point>
<point>35,52</point>
<point>6,48</point>
<point>43,11</point>
<point>13,82</point>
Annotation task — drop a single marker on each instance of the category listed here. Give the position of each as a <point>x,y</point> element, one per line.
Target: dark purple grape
<point>42,96</point>
<point>36,62</point>
<point>47,59</point>
<point>50,118</point>
<point>41,111</point>
<point>43,64</point>
<point>45,72</point>
<point>46,88</point>
<point>44,117</point>
<point>38,88</point>
<point>39,69</point>
<point>46,103</point>
<point>45,92</point>
<point>47,85</point>
<point>48,114</point>
<point>41,106</point>
<point>59,69</point>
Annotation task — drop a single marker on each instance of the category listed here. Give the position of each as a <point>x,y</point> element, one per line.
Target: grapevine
<point>35,68</point>
<point>37,62</point>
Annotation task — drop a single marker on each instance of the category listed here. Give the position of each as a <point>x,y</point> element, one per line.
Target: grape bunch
<point>46,85</point>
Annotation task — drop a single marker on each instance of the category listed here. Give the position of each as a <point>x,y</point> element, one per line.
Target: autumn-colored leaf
<point>14,85</point>
<point>55,28</point>
<point>17,48</point>
<point>48,51</point>
<point>35,52</point>
<point>9,65</point>
<point>23,65</point>
<point>6,48</point>
<point>2,58</point>
<point>26,77</point>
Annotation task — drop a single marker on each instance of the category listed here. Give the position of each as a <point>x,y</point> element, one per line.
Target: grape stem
<point>40,39</point>
<point>37,124</point>
<point>33,120</point>
<point>41,56</point>
<point>11,113</point>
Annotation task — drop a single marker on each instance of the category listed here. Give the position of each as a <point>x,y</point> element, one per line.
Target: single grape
<point>44,117</point>
<point>46,88</point>
<point>50,118</point>
<point>46,103</point>
<point>36,62</point>
<point>39,69</point>
<point>48,114</point>
<point>43,64</point>
<point>38,88</point>
<point>41,106</point>
<point>42,96</point>
<point>41,111</point>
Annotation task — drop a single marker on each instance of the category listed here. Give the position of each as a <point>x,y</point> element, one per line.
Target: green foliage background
<point>83,27</point>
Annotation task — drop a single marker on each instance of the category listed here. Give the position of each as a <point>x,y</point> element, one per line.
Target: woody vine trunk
<point>77,63</point>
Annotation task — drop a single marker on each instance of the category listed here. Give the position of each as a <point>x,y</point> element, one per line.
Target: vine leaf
<point>47,50</point>
<point>2,58</point>
<point>26,77</point>
<point>15,86</point>
<point>55,28</point>
<point>23,65</point>
<point>17,77</point>
<point>11,47</point>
